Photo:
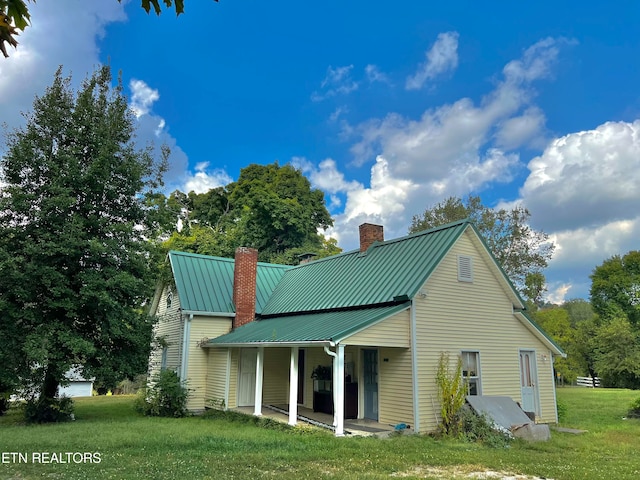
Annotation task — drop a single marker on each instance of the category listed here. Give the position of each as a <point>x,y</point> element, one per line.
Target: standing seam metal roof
<point>386,272</point>
<point>315,327</point>
<point>205,283</point>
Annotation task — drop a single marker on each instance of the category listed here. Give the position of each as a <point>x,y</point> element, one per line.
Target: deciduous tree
<point>520,250</point>
<point>615,287</point>
<point>74,263</point>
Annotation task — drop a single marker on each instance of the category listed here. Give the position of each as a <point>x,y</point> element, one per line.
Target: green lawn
<point>132,447</point>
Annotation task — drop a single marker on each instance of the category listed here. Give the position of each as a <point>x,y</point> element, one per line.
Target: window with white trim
<point>471,372</point>
<point>169,299</point>
<point>465,268</point>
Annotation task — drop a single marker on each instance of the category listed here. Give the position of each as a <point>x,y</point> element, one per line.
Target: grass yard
<point>132,447</point>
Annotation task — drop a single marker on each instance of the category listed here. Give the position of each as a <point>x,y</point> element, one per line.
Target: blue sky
<point>387,107</point>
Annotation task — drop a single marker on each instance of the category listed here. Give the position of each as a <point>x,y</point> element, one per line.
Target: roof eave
<point>315,343</point>
<point>540,334</point>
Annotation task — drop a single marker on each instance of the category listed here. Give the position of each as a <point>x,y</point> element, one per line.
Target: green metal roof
<point>205,283</point>
<point>313,327</point>
<point>388,271</point>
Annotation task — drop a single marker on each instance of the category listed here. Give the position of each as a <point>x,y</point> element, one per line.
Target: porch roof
<point>330,326</point>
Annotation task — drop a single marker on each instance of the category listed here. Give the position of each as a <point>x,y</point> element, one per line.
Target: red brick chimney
<point>370,233</point>
<point>244,285</point>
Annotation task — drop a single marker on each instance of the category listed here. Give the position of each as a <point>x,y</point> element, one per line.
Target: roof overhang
<point>208,314</point>
<point>539,333</point>
<point>312,343</point>
<point>310,328</point>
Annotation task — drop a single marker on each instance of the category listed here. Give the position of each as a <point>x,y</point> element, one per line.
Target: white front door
<point>247,377</point>
<point>528,381</point>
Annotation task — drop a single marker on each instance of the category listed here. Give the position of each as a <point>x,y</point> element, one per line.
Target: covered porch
<point>341,369</point>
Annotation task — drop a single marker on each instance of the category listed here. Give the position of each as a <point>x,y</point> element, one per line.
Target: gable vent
<point>465,269</point>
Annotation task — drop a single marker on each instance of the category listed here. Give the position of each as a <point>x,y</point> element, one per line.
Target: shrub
<point>634,409</point>
<point>479,428</point>
<point>167,397</point>
<point>46,410</point>
<point>451,393</point>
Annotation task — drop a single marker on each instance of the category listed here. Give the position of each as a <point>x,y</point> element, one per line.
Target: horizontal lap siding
<point>313,358</point>
<point>202,328</point>
<point>476,316</point>
<point>395,386</point>
<point>169,326</point>
<point>391,332</point>
<point>275,385</point>
<point>233,378</point>
<point>216,377</point>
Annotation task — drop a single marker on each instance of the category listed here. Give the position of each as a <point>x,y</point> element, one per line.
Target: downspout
<point>335,375</point>
<point>338,386</point>
<point>414,369</point>
<point>185,349</point>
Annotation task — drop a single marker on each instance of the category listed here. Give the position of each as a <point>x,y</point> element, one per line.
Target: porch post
<point>293,387</point>
<point>338,385</point>
<point>257,409</point>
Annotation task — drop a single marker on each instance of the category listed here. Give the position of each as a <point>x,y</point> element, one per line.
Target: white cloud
<point>586,178</point>
<point>525,129</point>
<point>374,74</point>
<point>44,46</point>
<point>142,97</point>
<point>453,149</point>
<point>204,179</point>
<point>452,135</point>
<point>338,81</point>
<point>337,113</point>
<point>442,57</point>
<point>580,250</point>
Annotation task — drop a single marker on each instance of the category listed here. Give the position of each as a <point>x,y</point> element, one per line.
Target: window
<point>169,299</point>
<point>163,364</point>
<point>471,372</point>
<point>465,269</point>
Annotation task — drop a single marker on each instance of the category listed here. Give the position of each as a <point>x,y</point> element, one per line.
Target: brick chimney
<point>244,285</point>
<point>370,233</point>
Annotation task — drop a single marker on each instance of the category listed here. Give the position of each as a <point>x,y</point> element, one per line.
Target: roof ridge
<point>356,251</point>
<point>224,259</point>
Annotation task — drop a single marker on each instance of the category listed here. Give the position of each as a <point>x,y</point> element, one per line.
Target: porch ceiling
<point>311,328</point>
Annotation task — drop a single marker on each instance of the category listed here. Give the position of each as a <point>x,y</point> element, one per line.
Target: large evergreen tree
<point>74,256</point>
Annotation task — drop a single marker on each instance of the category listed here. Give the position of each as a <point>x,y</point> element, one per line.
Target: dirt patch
<point>463,473</point>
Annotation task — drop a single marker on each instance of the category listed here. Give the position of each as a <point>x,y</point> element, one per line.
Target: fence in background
<point>588,382</point>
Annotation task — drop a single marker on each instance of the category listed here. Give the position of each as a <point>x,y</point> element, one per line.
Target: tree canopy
<point>520,250</point>
<point>615,287</point>
<point>74,249</point>
<point>14,16</point>
<point>272,208</point>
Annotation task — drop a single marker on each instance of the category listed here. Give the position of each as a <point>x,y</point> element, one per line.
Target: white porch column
<point>257,411</point>
<point>338,385</point>
<point>293,387</point>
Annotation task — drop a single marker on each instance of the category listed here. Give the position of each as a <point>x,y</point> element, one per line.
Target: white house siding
<point>216,384</point>
<point>475,316</point>
<point>390,332</point>
<point>275,385</point>
<point>170,327</point>
<point>201,328</point>
<point>395,393</point>
<point>233,378</point>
